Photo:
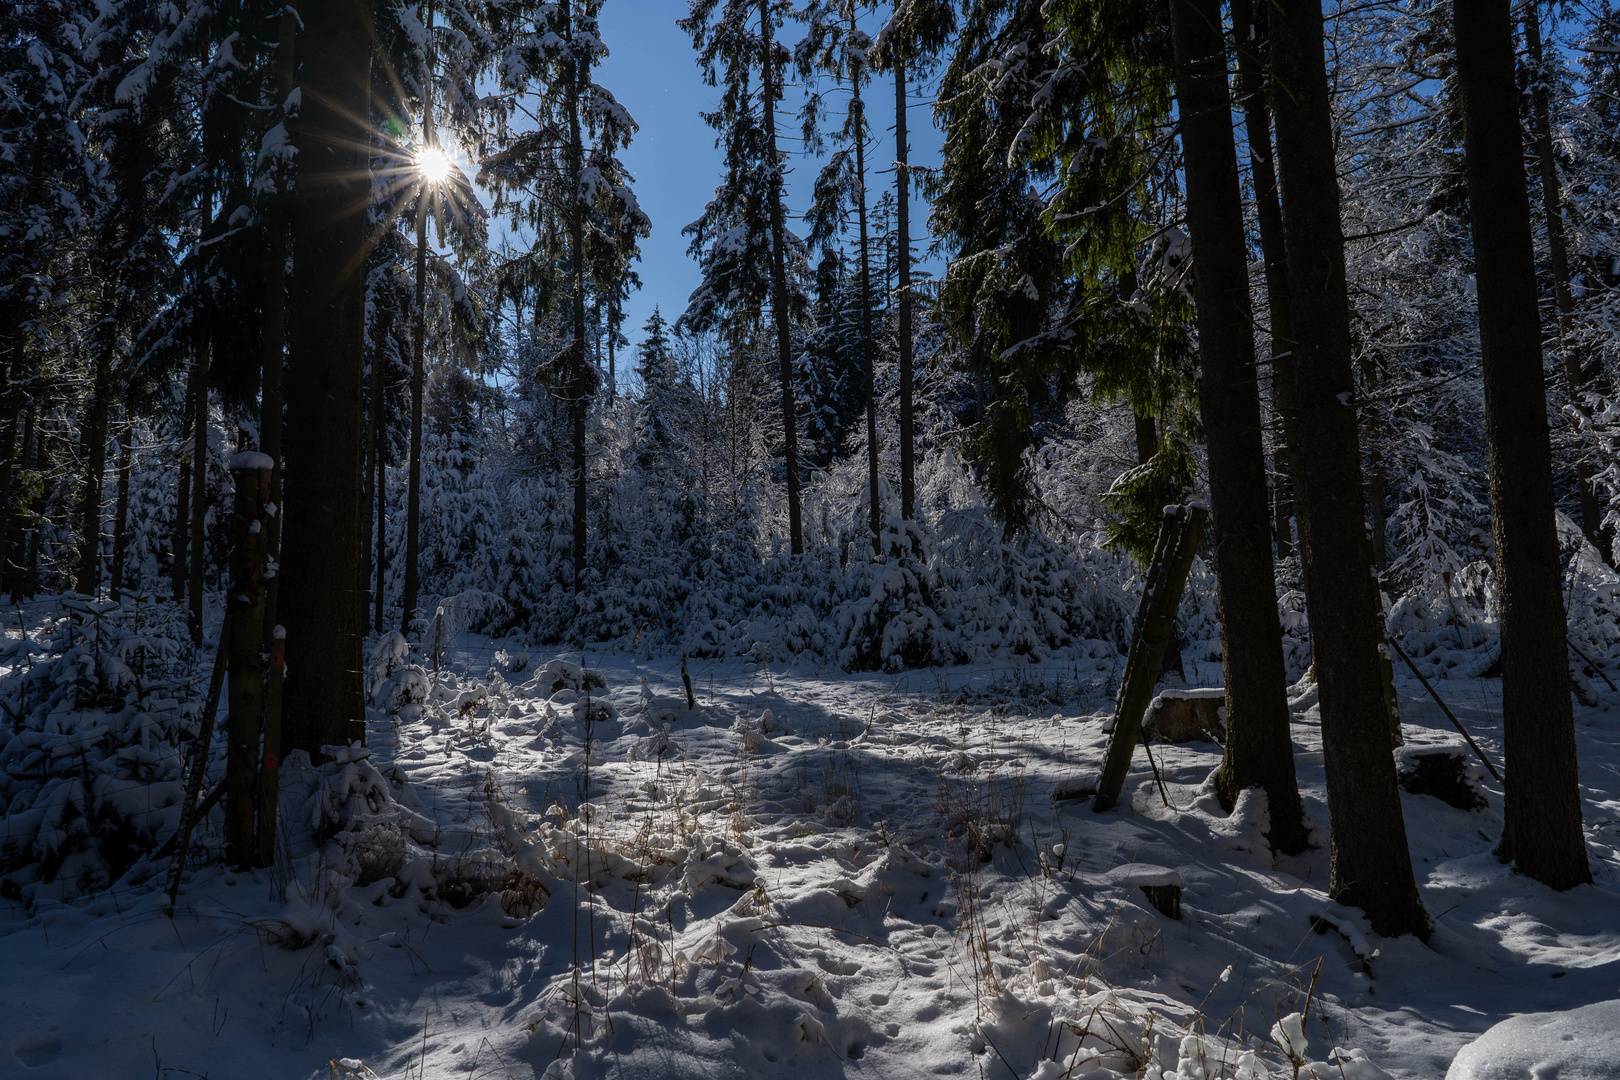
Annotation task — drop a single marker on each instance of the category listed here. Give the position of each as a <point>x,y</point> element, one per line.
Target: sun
<point>432,163</point>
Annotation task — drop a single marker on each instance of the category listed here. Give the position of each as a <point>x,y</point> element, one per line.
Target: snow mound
<point>1581,1044</point>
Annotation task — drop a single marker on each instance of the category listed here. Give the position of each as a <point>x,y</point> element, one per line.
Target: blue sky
<point>653,71</point>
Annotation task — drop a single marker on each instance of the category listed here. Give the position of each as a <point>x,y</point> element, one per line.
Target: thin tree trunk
<point>368,471</point>
<point>199,487</point>
<point>9,410</point>
<point>93,439</point>
<point>15,538</point>
<point>780,314</point>
<point>1250,27</point>
<point>902,250</point>
<point>202,348</point>
<point>413,495</point>
<point>1370,372</point>
<point>320,546</point>
<point>1552,203</point>
<point>380,486</point>
<point>180,538</point>
<point>272,357</point>
<point>121,518</point>
<point>1370,866</point>
<point>576,252</point>
<point>1259,747</point>
<point>1541,813</point>
<point>868,353</point>
<point>612,341</point>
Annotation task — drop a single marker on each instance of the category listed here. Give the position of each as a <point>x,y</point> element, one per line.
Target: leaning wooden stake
<point>1155,620</point>
<point>244,611</point>
<point>1449,714</point>
<point>199,765</point>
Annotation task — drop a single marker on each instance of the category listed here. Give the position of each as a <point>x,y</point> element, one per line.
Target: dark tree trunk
<point>121,519</point>
<point>1370,866</point>
<point>180,537</point>
<point>1552,207</point>
<point>93,439</point>
<point>368,462</point>
<point>1542,829</point>
<point>380,484</point>
<point>244,613</point>
<point>1250,28</point>
<point>274,342</point>
<point>1371,370</point>
<point>780,315</point>
<point>902,225</point>
<point>580,381</point>
<point>199,484</point>
<point>1259,747</point>
<point>413,490</point>
<point>1147,438</point>
<point>320,544</point>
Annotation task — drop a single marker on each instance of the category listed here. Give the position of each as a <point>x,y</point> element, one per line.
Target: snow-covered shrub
<point>98,719</point>
<point>893,623</point>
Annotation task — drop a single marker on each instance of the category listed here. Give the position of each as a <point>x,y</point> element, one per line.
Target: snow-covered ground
<point>811,874</point>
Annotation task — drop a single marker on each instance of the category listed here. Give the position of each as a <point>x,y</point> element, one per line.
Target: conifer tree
<point>836,44</point>
<point>1259,746</point>
<point>741,240</point>
<point>1371,867</point>
<point>907,47</point>
<point>565,180</point>
<point>1542,829</point>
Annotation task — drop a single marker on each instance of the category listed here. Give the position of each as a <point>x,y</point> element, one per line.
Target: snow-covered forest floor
<point>809,874</point>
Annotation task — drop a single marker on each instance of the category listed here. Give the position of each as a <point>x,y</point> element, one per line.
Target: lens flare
<point>432,163</point>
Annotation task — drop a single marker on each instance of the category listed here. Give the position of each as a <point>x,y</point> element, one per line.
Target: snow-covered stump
<point>1181,716</point>
<point>244,613</point>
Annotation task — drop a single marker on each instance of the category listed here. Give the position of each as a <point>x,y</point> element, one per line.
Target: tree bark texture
<point>1370,866</point>
<point>273,354</point>
<point>180,537</point>
<point>1259,746</point>
<point>1542,829</point>
<point>120,518</point>
<point>244,608</point>
<point>320,547</point>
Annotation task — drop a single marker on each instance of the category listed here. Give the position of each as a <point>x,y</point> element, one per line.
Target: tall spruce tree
<point>741,240</point>
<point>836,45</point>
<point>1370,866</point>
<point>1259,746</point>
<point>1542,830</point>
<point>565,180</point>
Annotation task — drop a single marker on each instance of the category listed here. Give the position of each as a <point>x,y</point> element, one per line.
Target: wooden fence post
<point>1155,620</point>
<point>244,611</point>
